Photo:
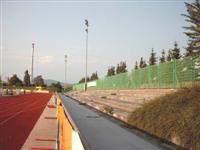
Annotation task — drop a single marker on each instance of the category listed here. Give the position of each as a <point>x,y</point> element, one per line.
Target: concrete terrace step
<point>117,104</point>
<point>118,113</point>
<point>122,101</point>
<point>112,103</point>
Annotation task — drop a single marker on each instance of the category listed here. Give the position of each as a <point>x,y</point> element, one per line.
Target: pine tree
<point>111,71</point>
<point>94,76</point>
<point>189,50</point>
<point>144,64</point>
<point>136,65</point>
<point>193,33</point>
<point>118,69</point>
<point>162,58</point>
<point>169,57</point>
<point>152,59</point>
<point>141,62</point>
<point>27,81</point>
<point>176,52</point>
<point>123,67</point>
<point>83,80</point>
<point>108,72</point>
<point>0,80</point>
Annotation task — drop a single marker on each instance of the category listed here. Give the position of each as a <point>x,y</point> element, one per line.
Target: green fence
<point>177,73</point>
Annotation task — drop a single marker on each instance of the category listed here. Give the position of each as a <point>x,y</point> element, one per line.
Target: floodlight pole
<point>86,59</point>
<point>65,69</point>
<point>33,46</point>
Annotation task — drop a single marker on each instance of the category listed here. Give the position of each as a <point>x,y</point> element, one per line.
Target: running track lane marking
<point>48,140</point>
<point>17,113</point>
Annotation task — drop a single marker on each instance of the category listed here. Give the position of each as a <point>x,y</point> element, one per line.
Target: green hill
<point>175,117</point>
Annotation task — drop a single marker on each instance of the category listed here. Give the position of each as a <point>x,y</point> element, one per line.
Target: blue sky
<point>119,31</point>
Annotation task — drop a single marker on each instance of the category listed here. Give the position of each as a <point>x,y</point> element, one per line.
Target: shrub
<point>108,110</point>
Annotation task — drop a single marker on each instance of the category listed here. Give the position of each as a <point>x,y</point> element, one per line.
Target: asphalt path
<point>100,132</point>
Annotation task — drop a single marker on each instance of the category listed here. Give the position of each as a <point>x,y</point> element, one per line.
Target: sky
<point>118,31</point>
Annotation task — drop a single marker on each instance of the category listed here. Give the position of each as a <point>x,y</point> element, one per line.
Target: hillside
<point>175,117</point>
<point>48,82</point>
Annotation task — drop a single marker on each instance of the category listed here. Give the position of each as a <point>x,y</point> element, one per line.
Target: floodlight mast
<point>65,69</point>
<point>33,46</point>
<point>86,59</point>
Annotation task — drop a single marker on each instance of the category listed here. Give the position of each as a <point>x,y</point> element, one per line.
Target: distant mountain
<point>50,81</point>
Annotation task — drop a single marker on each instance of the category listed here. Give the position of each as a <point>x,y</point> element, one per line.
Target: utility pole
<point>87,25</point>
<point>33,46</point>
<point>66,69</point>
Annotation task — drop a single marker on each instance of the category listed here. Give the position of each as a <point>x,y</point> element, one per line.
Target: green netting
<point>80,86</point>
<point>177,73</point>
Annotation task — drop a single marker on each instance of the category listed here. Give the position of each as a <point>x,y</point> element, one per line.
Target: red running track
<point>18,115</point>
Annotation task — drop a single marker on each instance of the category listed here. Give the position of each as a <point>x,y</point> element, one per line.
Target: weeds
<point>175,117</point>
<point>108,110</point>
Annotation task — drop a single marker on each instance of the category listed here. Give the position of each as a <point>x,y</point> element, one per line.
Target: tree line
<point>192,49</point>
<point>171,54</point>
<point>26,82</point>
<point>93,77</point>
<point>16,81</point>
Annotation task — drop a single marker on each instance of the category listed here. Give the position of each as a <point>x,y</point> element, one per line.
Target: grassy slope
<point>175,117</point>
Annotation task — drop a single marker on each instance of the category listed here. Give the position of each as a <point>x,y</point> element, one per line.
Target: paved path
<point>102,133</point>
<point>43,134</point>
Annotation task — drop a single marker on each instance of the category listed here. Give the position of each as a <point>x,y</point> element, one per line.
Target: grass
<point>108,110</point>
<point>175,117</point>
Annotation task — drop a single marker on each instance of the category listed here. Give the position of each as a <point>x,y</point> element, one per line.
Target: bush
<point>108,110</point>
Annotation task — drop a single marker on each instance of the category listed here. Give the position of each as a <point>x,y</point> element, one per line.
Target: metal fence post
<point>174,73</point>
<point>149,77</point>
<point>193,71</point>
<point>158,71</point>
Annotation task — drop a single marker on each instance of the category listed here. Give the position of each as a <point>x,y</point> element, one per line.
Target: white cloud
<point>45,60</point>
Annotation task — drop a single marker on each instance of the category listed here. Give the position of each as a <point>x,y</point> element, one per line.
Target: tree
<point>162,58</point>
<point>59,87</point>
<point>83,80</point>
<point>56,87</point>
<point>118,69</point>
<point>169,58</point>
<point>94,76</point>
<point>152,59</point>
<point>121,68</point>
<point>142,63</point>
<point>14,80</point>
<point>136,65</point>
<point>175,52</point>
<point>111,71</point>
<point>193,31</point>
<point>189,50</point>
<point>39,81</point>
<point>27,81</point>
